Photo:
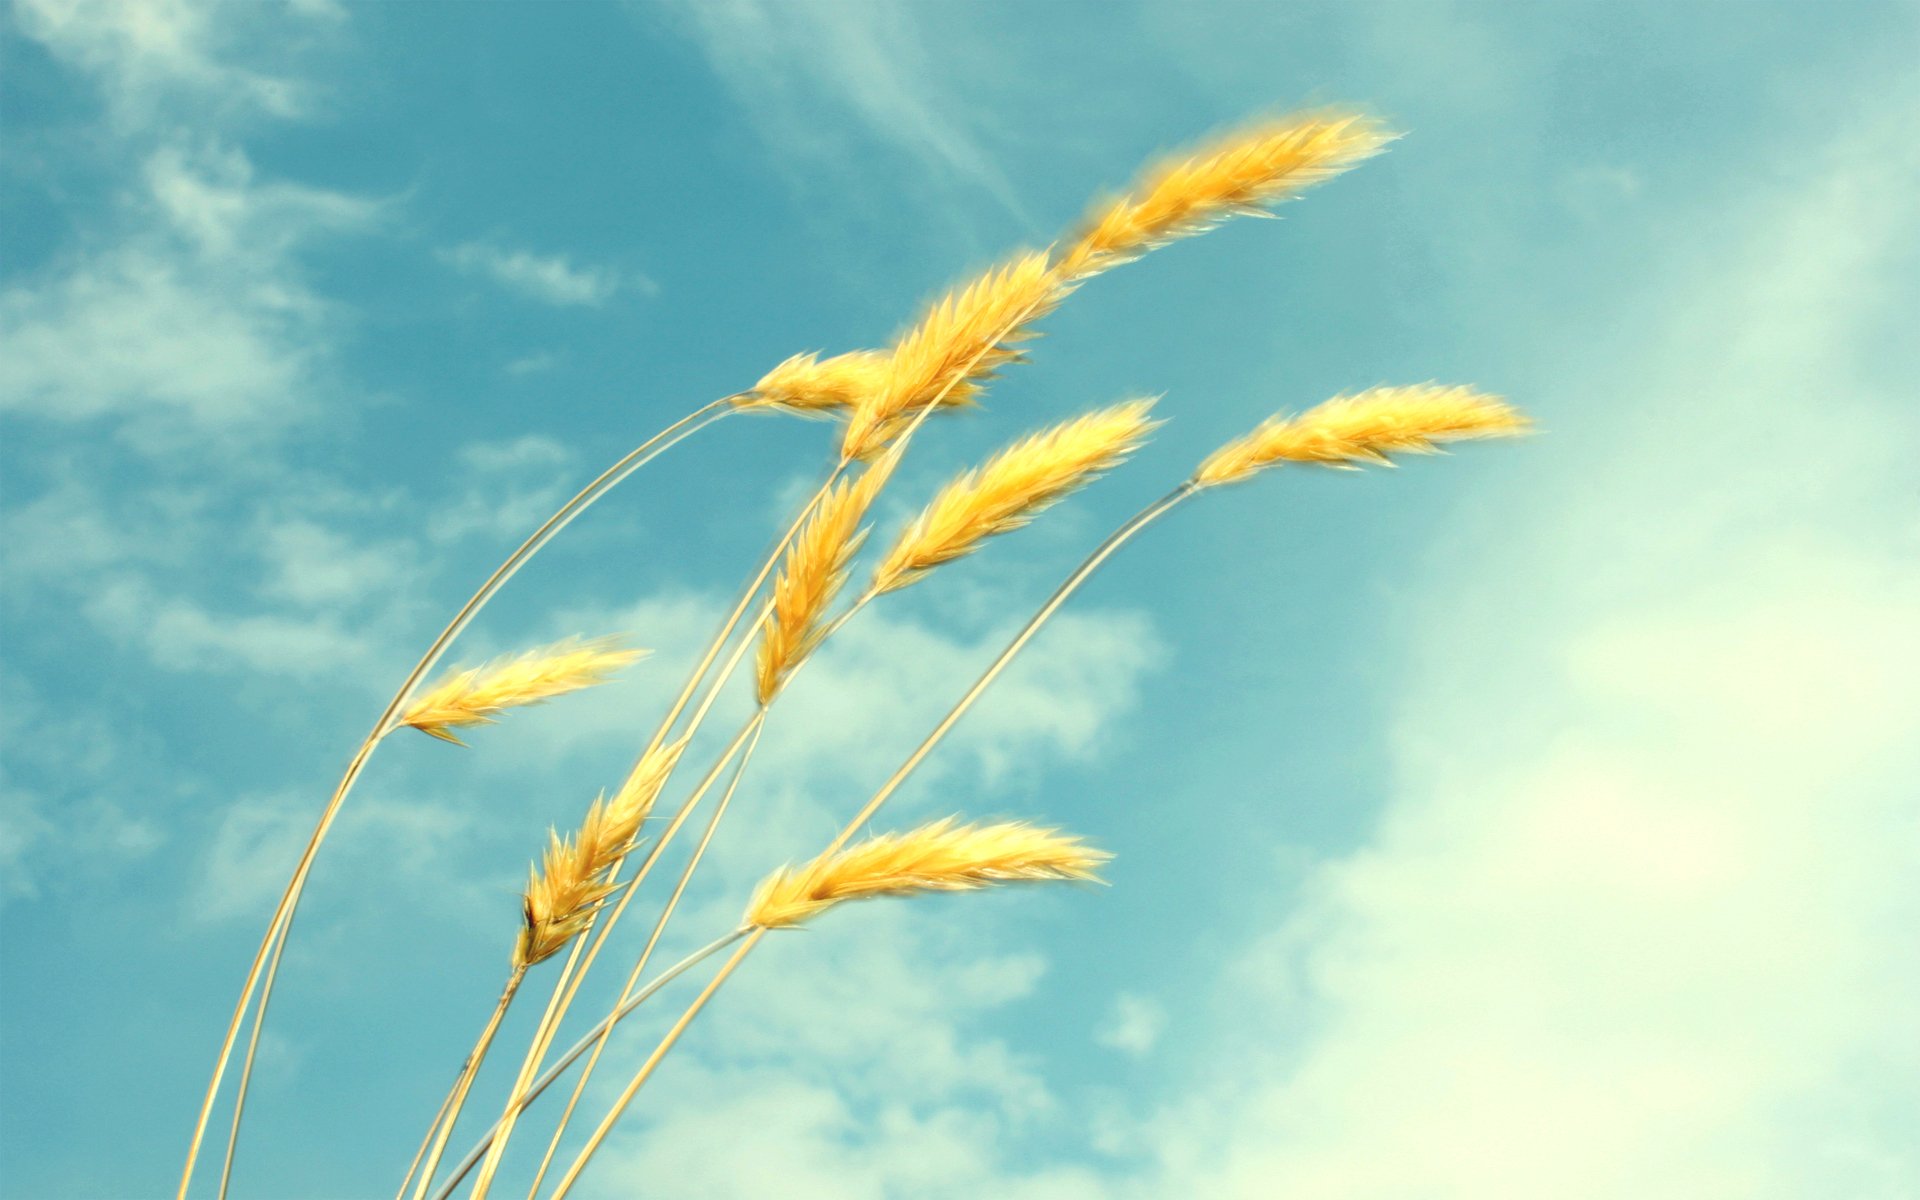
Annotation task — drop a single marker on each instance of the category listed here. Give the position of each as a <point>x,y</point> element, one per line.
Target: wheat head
<point>943,856</point>
<point>1007,490</point>
<point>476,696</point>
<point>1245,172</point>
<point>575,873</point>
<point>813,573</point>
<point>1350,430</point>
<point>817,387</point>
<point>961,341</point>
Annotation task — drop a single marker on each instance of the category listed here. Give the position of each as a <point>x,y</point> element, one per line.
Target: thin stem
<point>653,1060</point>
<point>1101,553</point>
<point>280,925</point>
<point>520,1102</point>
<point>557,1006</point>
<point>569,979</point>
<point>458,1097</point>
<point>659,927</point>
<point>427,1140</point>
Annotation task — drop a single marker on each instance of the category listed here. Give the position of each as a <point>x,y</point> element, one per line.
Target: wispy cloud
<point>1648,934</point>
<point>547,278</point>
<point>196,314</point>
<point>804,70</point>
<point>157,58</point>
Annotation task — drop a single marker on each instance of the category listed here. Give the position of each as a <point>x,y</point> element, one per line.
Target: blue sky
<point>1539,821</point>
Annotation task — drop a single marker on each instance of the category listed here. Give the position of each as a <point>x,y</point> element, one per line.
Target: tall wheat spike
<point>1350,430</point>
<point>962,340</point>
<point>817,387</point>
<point>477,696</point>
<point>1243,173</point>
<point>813,574</point>
<point>574,875</point>
<point>942,856</point>
<point>1009,489</point>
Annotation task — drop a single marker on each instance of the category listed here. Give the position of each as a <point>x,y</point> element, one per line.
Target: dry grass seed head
<point>1351,430</point>
<point>961,341</point>
<point>814,572</point>
<point>943,856</point>
<point>476,696</point>
<point>1244,172</point>
<point>1010,488</point>
<point>574,874</point>
<point>816,387</point>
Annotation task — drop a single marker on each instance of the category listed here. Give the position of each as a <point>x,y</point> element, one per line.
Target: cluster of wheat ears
<point>579,888</point>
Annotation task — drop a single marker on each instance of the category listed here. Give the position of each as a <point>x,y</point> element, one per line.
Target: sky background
<point>1539,821</point>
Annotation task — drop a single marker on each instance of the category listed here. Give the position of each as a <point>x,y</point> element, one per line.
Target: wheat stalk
<point>1012,487</point>
<point>943,856</point>
<point>1347,431</point>
<point>1243,173</point>
<point>264,970</point>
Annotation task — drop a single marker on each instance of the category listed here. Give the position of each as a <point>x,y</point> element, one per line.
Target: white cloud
<point>1133,1026</point>
<point>181,634</point>
<point>84,816</point>
<point>1637,920</point>
<point>151,57</point>
<point>804,70</point>
<point>199,315</point>
<point>548,278</point>
<point>316,567</point>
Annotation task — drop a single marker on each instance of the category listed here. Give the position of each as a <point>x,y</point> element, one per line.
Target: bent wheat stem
<point>457,1097</point>
<point>580,1047</point>
<point>653,940</point>
<point>653,1060</point>
<point>562,998</point>
<point>1100,554</point>
<point>280,925</point>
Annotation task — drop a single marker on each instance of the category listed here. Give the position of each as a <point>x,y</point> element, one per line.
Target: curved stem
<point>458,1098</point>
<point>557,1006</point>
<point>580,1047</point>
<point>581,957</point>
<point>1101,553</point>
<point>413,1167</point>
<point>758,723</point>
<point>653,1060</point>
<point>281,923</point>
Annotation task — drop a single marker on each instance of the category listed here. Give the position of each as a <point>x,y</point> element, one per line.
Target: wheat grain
<point>813,574</point>
<point>475,697</point>
<point>1365,428</point>
<point>943,856</point>
<point>1245,172</point>
<point>960,342</point>
<point>1007,490</point>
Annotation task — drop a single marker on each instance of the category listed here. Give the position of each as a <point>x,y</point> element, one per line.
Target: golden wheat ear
<point>943,856</point>
<point>1245,172</point>
<point>1009,489</point>
<point>576,874</point>
<point>812,575</point>
<point>477,696</point>
<point>963,338</point>
<point>818,387</point>
<point>1348,431</point>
